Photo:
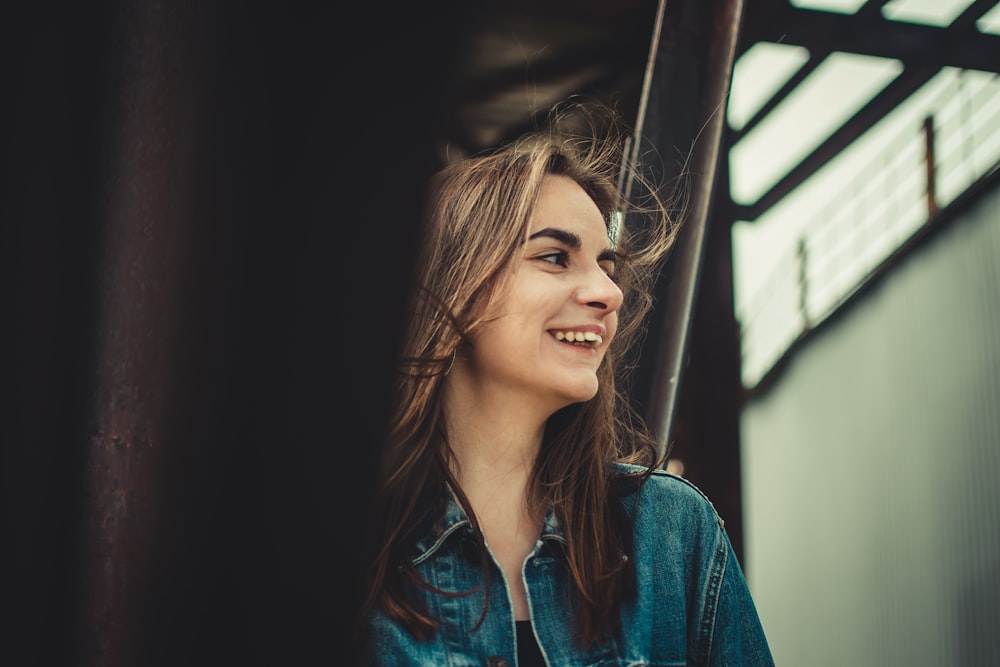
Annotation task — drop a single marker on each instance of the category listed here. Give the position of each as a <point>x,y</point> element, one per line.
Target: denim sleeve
<point>693,605</point>
<point>738,637</point>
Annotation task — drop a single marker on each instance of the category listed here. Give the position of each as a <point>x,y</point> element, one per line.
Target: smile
<point>586,339</point>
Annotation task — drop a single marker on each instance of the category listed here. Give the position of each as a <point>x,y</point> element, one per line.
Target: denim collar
<point>453,521</point>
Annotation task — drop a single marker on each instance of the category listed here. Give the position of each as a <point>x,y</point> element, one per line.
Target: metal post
<point>932,206</point>
<point>203,359</point>
<point>683,113</point>
<point>803,258</point>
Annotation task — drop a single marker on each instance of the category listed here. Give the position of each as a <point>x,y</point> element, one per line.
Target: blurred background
<point>209,210</point>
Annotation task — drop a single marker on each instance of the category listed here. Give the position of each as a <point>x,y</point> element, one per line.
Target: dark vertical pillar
<point>930,162</point>
<point>213,208</point>
<point>145,200</point>
<point>683,127</point>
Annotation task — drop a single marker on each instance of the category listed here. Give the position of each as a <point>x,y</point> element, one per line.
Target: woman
<point>525,519</point>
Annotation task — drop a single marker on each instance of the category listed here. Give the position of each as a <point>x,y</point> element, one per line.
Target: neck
<point>492,446</point>
<point>494,438</point>
<point>492,429</point>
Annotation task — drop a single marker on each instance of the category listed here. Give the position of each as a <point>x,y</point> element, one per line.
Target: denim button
<point>496,661</point>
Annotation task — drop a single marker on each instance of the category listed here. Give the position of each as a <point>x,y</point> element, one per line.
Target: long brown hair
<point>475,226</point>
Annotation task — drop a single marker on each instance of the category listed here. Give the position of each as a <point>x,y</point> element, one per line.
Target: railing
<point>882,206</point>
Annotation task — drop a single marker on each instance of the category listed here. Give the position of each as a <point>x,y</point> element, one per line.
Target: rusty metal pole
<point>683,119</point>
<point>203,342</point>
<point>931,167</point>
<point>146,254</point>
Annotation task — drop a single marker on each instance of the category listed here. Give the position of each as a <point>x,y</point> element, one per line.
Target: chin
<point>581,393</point>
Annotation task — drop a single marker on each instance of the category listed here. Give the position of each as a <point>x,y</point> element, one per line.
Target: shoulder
<point>667,498</point>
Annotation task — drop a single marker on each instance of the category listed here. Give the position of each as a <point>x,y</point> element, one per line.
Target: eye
<point>559,258</point>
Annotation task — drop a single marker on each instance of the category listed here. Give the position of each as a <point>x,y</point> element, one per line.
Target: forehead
<point>563,203</point>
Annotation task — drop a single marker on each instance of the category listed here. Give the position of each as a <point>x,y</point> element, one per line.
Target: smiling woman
<point>522,517</point>
<point>532,352</point>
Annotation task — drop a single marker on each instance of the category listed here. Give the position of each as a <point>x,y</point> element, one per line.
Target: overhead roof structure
<point>881,29</point>
<point>519,57</point>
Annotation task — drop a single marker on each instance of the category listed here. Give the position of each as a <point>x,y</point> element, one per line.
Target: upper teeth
<point>579,337</point>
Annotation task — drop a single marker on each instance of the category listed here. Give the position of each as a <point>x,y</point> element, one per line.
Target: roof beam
<point>862,121</point>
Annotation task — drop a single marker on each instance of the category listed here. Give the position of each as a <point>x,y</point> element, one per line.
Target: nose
<point>598,290</point>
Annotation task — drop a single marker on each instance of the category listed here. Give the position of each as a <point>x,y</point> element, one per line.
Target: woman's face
<point>547,334</point>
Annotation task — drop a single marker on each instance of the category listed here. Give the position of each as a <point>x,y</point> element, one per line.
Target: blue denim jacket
<point>692,605</point>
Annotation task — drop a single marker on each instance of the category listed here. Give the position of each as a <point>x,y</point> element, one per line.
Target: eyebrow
<point>573,241</point>
<point>561,235</point>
